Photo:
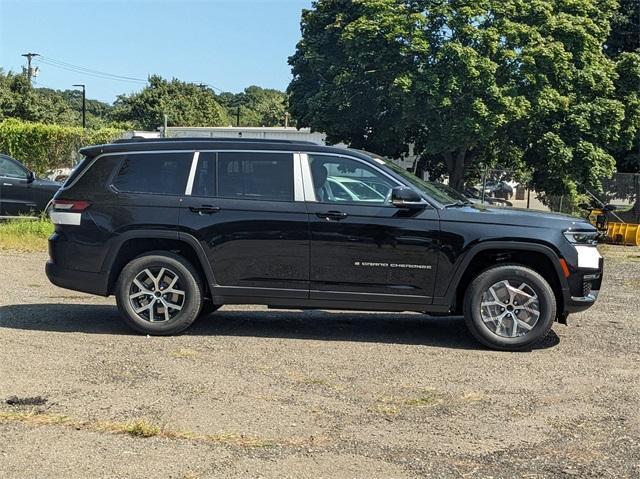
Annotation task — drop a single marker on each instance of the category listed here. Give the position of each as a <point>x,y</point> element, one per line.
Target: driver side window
<point>342,180</point>
<point>9,169</point>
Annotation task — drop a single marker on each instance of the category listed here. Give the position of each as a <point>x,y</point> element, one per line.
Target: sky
<point>228,45</point>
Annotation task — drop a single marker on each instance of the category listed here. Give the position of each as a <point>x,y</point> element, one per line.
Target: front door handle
<point>332,215</point>
<point>205,209</point>
<point>7,184</point>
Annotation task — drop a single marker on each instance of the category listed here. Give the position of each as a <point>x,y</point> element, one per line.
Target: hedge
<point>43,148</point>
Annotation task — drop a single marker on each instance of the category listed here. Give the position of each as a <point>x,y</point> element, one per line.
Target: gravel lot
<point>250,392</point>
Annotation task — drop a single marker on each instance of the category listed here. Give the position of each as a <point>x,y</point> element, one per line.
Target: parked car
<point>22,193</point>
<point>175,227</point>
<point>498,189</point>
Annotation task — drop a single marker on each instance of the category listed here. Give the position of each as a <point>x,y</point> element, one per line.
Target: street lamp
<point>84,105</point>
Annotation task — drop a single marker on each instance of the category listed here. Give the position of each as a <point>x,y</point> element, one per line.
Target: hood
<point>47,183</point>
<point>476,213</point>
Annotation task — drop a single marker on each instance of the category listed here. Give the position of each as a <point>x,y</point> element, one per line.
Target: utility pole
<point>238,116</point>
<point>84,105</point>
<point>286,119</point>
<point>30,71</point>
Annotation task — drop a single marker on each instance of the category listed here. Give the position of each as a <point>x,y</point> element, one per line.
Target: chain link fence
<point>501,187</point>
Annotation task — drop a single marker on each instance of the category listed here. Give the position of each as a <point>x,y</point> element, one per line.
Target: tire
<point>157,319</point>
<point>491,320</point>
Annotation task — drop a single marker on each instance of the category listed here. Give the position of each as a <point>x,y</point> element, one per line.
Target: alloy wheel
<point>156,294</point>
<point>510,309</point>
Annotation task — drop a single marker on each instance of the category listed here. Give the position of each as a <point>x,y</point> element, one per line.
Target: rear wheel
<point>159,293</point>
<point>509,307</point>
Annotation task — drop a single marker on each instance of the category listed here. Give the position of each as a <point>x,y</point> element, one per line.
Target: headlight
<point>582,237</point>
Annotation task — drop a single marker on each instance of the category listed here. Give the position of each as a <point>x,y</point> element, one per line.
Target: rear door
<point>249,215</point>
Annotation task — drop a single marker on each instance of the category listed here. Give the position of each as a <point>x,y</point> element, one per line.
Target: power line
<point>104,75</point>
<point>89,72</point>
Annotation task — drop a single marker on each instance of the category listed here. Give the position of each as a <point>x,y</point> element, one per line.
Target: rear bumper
<point>93,283</point>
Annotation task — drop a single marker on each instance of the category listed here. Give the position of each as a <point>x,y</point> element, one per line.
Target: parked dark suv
<point>21,192</point>
<point>173,228</point>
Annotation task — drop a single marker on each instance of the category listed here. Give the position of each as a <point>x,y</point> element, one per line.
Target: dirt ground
<point>250,392</point>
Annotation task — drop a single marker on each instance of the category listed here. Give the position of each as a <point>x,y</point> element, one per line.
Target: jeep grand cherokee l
<point>175,227</point>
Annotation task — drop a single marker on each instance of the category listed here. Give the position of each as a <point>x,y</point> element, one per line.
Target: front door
<point>362,247</point>
<point>242,208</point>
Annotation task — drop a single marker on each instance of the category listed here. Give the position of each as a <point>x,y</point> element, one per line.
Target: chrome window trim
<point>192,173</point>
<point>307,179</point>
<point>298,184</point>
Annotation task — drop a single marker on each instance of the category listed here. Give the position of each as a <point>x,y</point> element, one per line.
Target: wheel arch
<point>134,243</point>
<point>539,257</point>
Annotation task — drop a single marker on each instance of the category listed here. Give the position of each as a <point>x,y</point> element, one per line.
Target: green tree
<point>518,81</point>
<point>625,29</point>
<point>623,46</point>
<point>185,104</point>
<point>258,106</point>
<point>18,99</point>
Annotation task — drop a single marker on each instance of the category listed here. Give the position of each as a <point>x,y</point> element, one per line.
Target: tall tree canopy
<point>623,46</point>
<point>185,104</point>
<point>258,106</point>
<point>18,99</point>
<point>465,80</point>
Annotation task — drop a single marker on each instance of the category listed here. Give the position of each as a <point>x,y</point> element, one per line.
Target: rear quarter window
<point>155,173</point>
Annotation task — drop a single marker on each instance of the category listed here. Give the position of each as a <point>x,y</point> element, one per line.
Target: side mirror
<point>31,177</point>
<point>610,207</point>
<point>403,197</point>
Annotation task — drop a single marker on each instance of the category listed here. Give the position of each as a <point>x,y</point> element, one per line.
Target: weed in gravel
<point>184,353</point>
<point>384,409</point>
<point>143,428</point>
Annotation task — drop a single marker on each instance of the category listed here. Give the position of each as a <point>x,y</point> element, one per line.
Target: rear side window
<point>156,173</point>
<point>204,183</point>
<point>259,176</point>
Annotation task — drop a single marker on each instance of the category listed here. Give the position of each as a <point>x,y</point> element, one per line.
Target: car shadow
<point>392,328</point>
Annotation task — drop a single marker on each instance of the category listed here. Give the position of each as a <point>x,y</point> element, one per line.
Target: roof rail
<point>211,139</point>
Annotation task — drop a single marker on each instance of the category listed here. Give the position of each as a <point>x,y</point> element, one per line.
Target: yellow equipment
<point>624,233</point>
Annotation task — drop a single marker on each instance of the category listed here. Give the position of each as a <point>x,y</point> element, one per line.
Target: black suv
<point>174,228</point>
<point>21,192</point>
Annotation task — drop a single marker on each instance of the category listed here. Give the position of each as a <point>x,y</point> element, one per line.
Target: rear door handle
<point>7,184</point>
<point>205,209</point>
<point>332,215</point>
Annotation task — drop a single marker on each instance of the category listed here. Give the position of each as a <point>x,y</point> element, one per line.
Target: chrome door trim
<point>192,173</point>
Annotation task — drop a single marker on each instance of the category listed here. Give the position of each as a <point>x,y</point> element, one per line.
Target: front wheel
<point>159,293</point>
<point>509,307</point>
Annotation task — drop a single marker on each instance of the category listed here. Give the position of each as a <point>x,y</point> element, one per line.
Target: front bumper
<point>583,288</point>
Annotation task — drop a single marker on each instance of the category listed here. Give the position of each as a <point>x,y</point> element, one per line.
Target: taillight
<point>76,206</point>
<point>67,212</point>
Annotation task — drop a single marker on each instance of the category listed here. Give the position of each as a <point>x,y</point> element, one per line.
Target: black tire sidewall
<point>473,298</point>
<point>189,280</point>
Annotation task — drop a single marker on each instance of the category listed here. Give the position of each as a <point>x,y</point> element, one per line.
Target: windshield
<point>439,192</point>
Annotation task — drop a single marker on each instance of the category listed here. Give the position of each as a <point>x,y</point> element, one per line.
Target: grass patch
<point>143,428</point>
<point>24,234</point>
<point>184,353</point>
